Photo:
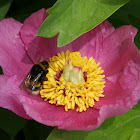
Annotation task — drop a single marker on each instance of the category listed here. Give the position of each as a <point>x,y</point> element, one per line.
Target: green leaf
<point>4,6</point>
<point>10,123</point>
<point>129,14</point>
<point>136,135</point>
<point>121,127</point>
<point>72,18</point>
<point>137,107</point>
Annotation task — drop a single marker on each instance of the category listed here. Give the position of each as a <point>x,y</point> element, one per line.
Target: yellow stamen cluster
<point>80,94</point>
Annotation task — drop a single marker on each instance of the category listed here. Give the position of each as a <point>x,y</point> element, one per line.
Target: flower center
<point>73,81</point>
<point>72,74</point>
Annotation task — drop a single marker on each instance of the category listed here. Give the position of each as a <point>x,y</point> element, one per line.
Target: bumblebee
<point>36,76</point>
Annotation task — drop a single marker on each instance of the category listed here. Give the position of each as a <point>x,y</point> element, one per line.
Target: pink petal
<point>43,47</point>
<point>52,115</point>
<point>48,114</point>
<point>31,26</point>
<point>72,120</point>
<point>93,40</point>
<point>118,49</point>
<point>122,88</point>
<point>108,111</point>
<point>13,58</point>
<point>8,87</point>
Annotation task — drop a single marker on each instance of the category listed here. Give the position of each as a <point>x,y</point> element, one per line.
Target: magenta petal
<point>8,87</point>
<point>108,111</point>
<point>31,26</point>
<point>12,52</point>
<point>92,40</point>
<point>122,88</point>
<point>43,47</point>
<point>52,115</point>
<point>118,49</point>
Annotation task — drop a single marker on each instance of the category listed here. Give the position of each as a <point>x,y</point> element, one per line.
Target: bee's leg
<point>47,59</point>
<point>44,78</point>
<point>46,72</point>
<point>43,59</point>
<point>39,59</point>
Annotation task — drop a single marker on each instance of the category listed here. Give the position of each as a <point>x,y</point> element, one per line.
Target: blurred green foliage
<point>4,7</point>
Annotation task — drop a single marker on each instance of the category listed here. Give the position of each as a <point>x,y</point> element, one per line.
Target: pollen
<point>74,82</point>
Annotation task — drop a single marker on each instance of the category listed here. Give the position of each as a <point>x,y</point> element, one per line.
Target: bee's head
<point>45,64</point>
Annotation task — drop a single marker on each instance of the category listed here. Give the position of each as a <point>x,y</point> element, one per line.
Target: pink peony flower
<point>118,56</point>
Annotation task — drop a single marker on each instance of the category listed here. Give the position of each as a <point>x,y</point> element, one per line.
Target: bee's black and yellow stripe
<point>37,75</point>
<point>41,65</point>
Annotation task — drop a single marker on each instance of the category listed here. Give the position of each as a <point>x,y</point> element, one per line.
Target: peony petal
<point>122,88</point>
<point>93,40</point>
<point>118,49</point>
<point>8,88</point>
<point>71,120</point>
<point>53,115</point>
<point>43,47</point>
<point>13,58</point>
<point>31,26</point>
<point>108,111</point>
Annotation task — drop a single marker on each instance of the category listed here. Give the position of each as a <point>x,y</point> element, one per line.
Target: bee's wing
<point>28,82</point>
<point>35,80</point>
<point>27,79</point>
